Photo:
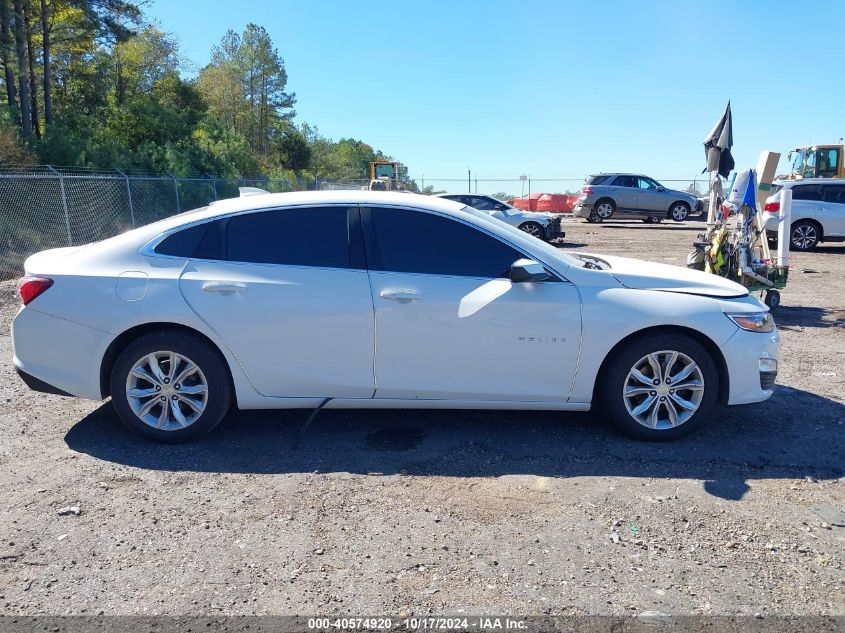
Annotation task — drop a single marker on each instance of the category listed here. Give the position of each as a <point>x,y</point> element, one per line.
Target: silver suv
<point>635,197</point>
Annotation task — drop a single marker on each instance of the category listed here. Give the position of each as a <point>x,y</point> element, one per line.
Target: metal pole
<point>469,180</point>
<point>128,196</point>
<point>176,190</point>
<point>64,205</point>
<point>213,184</point>
<point>784,226</point>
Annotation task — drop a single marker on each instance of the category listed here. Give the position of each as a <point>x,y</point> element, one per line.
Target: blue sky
<point>547,88</point>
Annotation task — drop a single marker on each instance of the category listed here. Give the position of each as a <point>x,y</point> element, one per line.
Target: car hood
<point>643,275</point>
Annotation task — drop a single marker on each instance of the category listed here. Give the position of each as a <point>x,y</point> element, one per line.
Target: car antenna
<point>301,435</point>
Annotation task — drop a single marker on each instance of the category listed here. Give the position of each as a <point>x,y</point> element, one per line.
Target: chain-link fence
<point>46,207</point>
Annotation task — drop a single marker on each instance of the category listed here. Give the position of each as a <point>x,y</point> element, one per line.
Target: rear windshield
<point>597,180</point>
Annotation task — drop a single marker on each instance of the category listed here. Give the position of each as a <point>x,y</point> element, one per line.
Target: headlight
<point>754,322</point>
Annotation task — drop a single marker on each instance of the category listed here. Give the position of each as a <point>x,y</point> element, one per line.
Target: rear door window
<point>409,241</point>
<point>302,236</point>
<point>625,181</point>
<point>806,192</point>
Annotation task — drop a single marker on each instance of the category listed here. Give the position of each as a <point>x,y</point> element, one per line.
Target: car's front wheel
<point>533,228</point>
<point>170,386</point>
<point>660,387</point>
<point>679,211</point>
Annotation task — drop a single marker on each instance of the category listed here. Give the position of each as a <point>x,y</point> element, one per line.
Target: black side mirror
<point>528,271</point>
<point>661,188</point>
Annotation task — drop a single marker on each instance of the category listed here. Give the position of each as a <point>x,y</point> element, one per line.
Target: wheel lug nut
<point>671,391</point>
<point>177,386</point>
<point>158,387</point>
<point>164,397</point>
<point>173,397</point>
<point>656,382</point>
<point>652,393</point>
<point>166,380</point>
<point>662,398</point>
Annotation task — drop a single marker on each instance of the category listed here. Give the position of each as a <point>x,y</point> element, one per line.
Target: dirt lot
<point>379,512</point>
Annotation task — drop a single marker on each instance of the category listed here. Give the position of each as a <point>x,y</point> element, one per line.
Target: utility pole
<point>469,180</point>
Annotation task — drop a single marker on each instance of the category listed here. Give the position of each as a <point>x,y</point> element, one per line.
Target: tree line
<point>92,83</point>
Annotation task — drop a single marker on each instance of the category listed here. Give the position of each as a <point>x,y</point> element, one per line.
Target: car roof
<point>268,201</point>
<point>296,198</point>
<point>810,181</point>
<point>618,173</point>
<point>446,194</point>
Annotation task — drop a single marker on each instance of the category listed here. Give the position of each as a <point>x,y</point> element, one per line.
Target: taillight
<point>31,287</point>
<point>587,191</point>
<point>772,207</point>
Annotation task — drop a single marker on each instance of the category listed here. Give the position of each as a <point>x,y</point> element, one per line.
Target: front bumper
<point>553,230</point>
<point>749,381</point>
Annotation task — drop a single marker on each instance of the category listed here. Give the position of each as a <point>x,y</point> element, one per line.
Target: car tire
<point>653,219</point>
<point>679,211</point>
<point>603,210</point>
<point>659,412</point>
<point>533,228</point>
<point>190,374</point>
<point>772,299</point>
<point>804,235</point>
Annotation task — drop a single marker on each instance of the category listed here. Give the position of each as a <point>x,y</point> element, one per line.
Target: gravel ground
<point>379,512</point>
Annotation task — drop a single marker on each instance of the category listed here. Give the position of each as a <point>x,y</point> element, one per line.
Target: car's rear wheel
<point>533,228</point>
<point>660,387</point>
<point>804,236</point>
<point>171,386</point>
<point>679,211</point>
<point>603,210</point>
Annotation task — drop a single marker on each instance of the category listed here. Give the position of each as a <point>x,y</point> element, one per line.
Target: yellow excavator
<point>384,176</point>
<point>817,161</point>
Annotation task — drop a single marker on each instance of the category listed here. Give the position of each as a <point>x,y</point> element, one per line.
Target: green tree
<point>293,149</point>
<point>244,85</point>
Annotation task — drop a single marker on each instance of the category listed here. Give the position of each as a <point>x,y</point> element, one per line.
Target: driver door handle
<point>403,295</point>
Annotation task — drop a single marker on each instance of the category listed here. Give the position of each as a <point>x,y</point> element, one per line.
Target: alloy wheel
<point>805,236</point>
<point>604,210</point>
<point>166,390</point>
<point>663,389</point>
<point>532,229</point>
<point>679,213</point>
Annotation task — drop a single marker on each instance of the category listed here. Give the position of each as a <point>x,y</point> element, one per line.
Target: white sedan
<point>380,300</point>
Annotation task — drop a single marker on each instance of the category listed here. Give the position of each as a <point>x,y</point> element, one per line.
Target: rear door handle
<point>401,295</point>
<point>224,287</point>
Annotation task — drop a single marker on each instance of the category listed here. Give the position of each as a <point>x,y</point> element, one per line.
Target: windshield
<point>804,163</point>
<point>541,246</point>
<point>509,210</point>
